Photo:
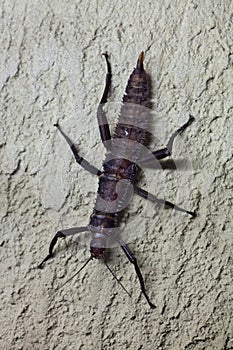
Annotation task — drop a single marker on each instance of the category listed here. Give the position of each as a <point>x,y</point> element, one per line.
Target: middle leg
<point>144,194</point>
<point>80,160</point>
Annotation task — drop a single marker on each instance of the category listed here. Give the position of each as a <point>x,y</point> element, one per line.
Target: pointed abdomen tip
<point>140,60</point>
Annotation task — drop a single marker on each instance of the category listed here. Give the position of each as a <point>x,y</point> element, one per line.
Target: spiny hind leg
<point>167,151</point>
<point>101,115</point>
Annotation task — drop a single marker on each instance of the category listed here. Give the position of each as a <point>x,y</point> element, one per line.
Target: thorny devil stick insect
<point>120,169</point>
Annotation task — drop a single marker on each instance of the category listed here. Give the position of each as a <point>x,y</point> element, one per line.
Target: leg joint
<point>59,234</point>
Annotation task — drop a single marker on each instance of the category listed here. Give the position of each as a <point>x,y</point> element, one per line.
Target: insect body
<point>120,169</point>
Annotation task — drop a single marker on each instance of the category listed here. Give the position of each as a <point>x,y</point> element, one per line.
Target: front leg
<point>133,260</point>
<point>61,234</point>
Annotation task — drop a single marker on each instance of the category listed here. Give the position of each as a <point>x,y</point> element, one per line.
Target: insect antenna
<point>69,279</point>
<point>117,279</point>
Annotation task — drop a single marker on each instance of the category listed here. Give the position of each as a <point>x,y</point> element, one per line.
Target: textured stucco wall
<point>51,68</point>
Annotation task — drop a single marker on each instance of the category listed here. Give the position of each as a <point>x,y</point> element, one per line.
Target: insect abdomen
<point>120,165</point>
<point>133,120</point>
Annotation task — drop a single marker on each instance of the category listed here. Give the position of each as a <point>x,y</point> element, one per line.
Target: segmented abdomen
<point>120,165</point>
<point>133,121</point>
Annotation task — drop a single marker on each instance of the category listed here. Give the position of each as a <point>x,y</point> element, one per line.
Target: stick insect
<point>120,169</point>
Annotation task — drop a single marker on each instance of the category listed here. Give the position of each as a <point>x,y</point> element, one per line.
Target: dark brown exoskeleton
<point>117,181</point>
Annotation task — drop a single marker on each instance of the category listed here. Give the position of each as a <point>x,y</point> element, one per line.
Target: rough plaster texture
<point>51,68</point>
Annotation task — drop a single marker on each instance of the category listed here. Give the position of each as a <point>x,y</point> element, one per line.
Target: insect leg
<point>80,160</point>
<point>165,152</point>
<point>61,234</point>
<point>154,199</point>
<point>133,260</point>
<point>101,115</point>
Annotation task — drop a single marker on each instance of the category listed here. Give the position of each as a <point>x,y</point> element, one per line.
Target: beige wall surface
<point>52,69</point>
